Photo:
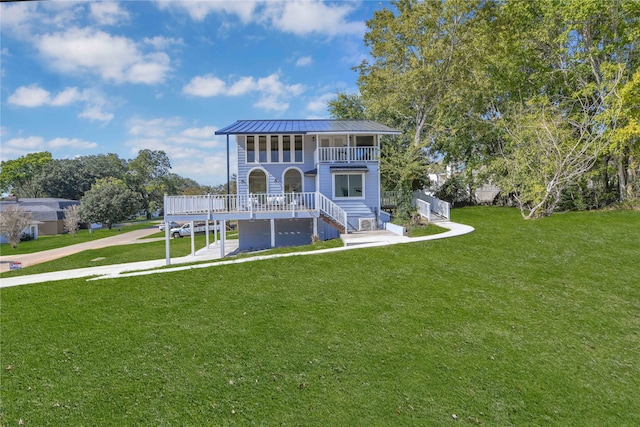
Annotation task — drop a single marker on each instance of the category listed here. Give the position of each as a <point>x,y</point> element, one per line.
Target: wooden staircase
<point>335,224</point>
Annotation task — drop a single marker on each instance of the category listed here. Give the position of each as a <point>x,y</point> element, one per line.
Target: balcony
<point>252,206</point>
<point>347,154</point>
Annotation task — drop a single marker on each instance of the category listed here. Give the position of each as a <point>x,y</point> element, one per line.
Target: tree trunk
<point>622,177</point>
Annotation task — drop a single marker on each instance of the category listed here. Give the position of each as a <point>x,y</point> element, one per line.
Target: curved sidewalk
<point>362,240</point>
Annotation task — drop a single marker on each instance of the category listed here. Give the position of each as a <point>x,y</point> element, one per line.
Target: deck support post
<point>273,232</point>
<point>315,226</point>
<point>167,236</point>
<point>223,236</point>
<point>193,239</point>
<point>206,231</point>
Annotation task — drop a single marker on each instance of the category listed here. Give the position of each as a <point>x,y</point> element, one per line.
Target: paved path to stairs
<point>352,241</point>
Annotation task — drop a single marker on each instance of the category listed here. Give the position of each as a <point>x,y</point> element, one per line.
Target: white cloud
<point>194,151</point>
<point>203,132</point>
<point>95,113</point>
<point>303,61</point>
<point>17,147</point>
<point>198,10</point>
<point>161,42</point>
<point>71,143</point>
<point>66,97</point>
<point>271,92</point>
<point>28,143</point>
<point>108,13</point>
<point>205,86</point>
<point>242,86</point>
<point>300,17</point>
<point>35,96</point>
<point>30,96</point>
<point>319,103</point>
<point>307,17</point>
<point>18,18</point>
<point>113,58</point>
<point>153,127</point>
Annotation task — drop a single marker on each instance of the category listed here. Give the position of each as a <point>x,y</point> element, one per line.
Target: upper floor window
<point>262,148</point>
<point>274,143</point>
<point>251,149</point>
<point>275,148</point>
<point>365,141</point>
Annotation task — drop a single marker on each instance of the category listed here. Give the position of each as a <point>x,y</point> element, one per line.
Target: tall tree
<point>147,176</point>
<point>422,54</point>
<point>418,54</point>
<point>109,201</point>
<point>19,175</point>
<point>71,178</point>
<point>574,56</point>
<point>347,106</point>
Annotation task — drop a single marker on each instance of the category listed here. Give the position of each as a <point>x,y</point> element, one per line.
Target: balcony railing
<point>347,154</point>
<point>254,203</point>
<point>193,205</point>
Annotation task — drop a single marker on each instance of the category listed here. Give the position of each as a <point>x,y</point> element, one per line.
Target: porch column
<point>166,242</point>
<point>193,239</point>
<point>348,148</point>
<point>206,231</point>
<point>273,232</point>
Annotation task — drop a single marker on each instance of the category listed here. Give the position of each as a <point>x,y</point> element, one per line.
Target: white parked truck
<point>185,230</point>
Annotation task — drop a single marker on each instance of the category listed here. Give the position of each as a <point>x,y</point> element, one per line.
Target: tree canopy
<point>541,95</point>
<point>109,201</point>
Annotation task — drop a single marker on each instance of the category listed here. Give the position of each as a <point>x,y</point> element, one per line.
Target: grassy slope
<point>519,323</point>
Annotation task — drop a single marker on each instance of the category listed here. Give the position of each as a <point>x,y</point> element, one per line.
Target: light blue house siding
<point>275,171</point>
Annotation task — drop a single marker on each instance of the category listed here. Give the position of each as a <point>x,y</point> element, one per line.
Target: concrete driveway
<point>52,254</point>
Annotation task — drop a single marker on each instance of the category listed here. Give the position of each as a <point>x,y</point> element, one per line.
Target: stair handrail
<point>332,210</point>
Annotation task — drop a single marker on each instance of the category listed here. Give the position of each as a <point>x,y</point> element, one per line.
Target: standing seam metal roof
<point>305,126</point>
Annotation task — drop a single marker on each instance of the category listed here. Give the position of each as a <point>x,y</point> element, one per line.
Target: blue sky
<point>81,78</point>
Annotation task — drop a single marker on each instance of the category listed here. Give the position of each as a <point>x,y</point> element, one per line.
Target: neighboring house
<point>47,213</point>
<point>296,179</point>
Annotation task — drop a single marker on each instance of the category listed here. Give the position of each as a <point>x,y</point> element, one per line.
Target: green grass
<point>44,243</point>
<point>518,323</point>
<point>113,255</point>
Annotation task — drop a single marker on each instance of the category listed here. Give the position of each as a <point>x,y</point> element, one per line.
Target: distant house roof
<point>243,127</point>
<point>42,209</point>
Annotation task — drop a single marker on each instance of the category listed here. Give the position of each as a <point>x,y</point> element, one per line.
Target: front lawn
<point>518,323</point>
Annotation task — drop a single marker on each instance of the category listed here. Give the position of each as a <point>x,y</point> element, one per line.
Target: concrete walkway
<point>352,241</point>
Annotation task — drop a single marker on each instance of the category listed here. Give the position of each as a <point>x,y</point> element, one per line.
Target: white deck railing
<point>423,208</point>
<point>332,210</point>
<point>190,205</point>
<point>347,154</point>
<point>439,207</point>
<point>254,203</point>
